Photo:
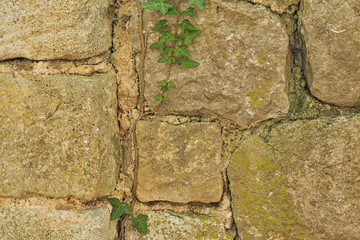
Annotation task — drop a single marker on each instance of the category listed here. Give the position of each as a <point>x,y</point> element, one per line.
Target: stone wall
<point>261,141</point>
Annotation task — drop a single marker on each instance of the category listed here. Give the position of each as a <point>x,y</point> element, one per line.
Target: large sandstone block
<point>179,163</point>
<point>301,182</point>
<point>50,29</point>
<point>243,52</point>
<point>40,224</point>
<point>58,135</point>
<point>165,225</point>
<point>331,31</point>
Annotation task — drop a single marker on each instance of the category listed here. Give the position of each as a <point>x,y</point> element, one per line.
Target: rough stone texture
<point>50,29</point>
<point>39,224</point>
<point>301,182</point>
<point>244,57</point>
<point>164,225</point>
<point>179,163</point>
<point>279,6</point>
<point>331,31</point>
<point>58,135</point>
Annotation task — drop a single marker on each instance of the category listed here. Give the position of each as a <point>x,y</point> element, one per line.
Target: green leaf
<point>159,97</point>
<point>187,25</point>
<point>171,84</point>
<point>189,11</point>
<point>163,82</point>
<point>166,36</point>
<point>169,50</point>
<point>161,26</point>
<point>158,45</point>
<point>157,5</point>
<point>166,99</point>
<point>181,51</point>
<point>118,208</point>
<point>187,63</point>
<point>172,11</point>
<point>189,36</point>
<point>141,223</point>
<point>164,88</point>
<point>198,3</point>
<point>164,58</point>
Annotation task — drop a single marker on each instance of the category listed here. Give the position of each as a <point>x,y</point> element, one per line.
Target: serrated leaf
<point>171,84</point>
<point>118,208</point>
<point>141,223</point>
<point>163,82</point>
<point>187,63</point>
<point>159,97</point>
<point>172,11</point>
<point>164,58</point>
<point>166,36</point>
<point>189,11</point>
<point>157,5</point>
<point>189,36</point>
<point>162,25</point>
<point>186,24</point>
<point>158,45</point>
<point>181,51</point>
<point>198,3</point>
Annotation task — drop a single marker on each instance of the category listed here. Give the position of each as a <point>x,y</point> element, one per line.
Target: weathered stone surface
<point>58,135</point>
<point>331,32</point>
<point>179,163</point>
<point>50,29</point>
<point>164,225</point>
<point>302,182</point>
<point>244,57</point>
<point>277,5</point>
<point>39,224</point>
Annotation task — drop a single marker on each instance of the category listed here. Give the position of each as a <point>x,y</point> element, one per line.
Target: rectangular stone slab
<point>179,163</point>
<point>58,135</point>
<point>51,29</point>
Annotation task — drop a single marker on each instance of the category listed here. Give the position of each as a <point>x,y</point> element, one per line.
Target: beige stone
<point>38,223</point>
<point>58,135</point>
<point>50,29</point>
<point>166,225</point>
<point>179,163</point>
<point>243,52</point>
<point>299,182</point>
<point>331,31</point>
<point>279,6</point>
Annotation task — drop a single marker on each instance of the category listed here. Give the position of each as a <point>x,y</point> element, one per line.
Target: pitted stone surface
<point>165,225</point>
<point>58,135</point>
<point>243,52</point>
<point>302,182</point>
<point>40,224</point>
<point>179,163</point>
<point>50,29</point>
<point>331,31</point>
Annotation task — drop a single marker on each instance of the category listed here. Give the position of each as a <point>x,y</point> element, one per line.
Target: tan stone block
<point>42,30</point>
<point>179,163</point>
<point>279,6</point>
<point>58,135</point>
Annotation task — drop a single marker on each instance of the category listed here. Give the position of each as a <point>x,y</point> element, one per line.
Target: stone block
<point>301,182</point>
<point>279,6</point>
<point>58,135</point>
<point>51,29</point>
<point>40,223</point>
<point>331,33</point>
<point>179,163</point>
<point>165,225</point>
<point>244,57</point>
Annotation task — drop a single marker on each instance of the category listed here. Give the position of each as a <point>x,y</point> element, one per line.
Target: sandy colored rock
<point>58,135</point>
<point>179,163</point>
<point>243,52</point>
<point>331,32</point>
<point>39,224</point>
<point>277,5</point>
<point>42,30</point>
<point>165,225</point>
<point>301,182</point>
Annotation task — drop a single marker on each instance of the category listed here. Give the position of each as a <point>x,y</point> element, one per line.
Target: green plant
<point>173,47</point>
<point>119,209</point>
